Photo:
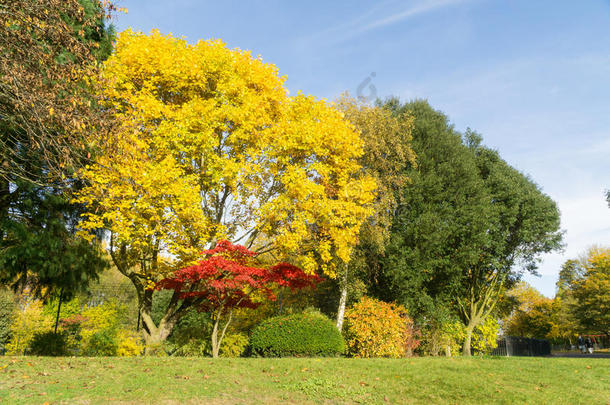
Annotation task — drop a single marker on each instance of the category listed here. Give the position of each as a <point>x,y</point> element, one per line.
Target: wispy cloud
<point>378,17</point>
<point>397,17</point>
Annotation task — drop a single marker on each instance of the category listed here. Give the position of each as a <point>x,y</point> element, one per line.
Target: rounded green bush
<point>297,335</point>
<point>49,344</point>
<point>102,343</point>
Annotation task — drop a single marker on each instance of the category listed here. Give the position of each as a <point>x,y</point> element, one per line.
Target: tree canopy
<point>48,117</point>
<point>592,292</point>
<point>438,229</point>
<point>468,226</point>
<point>49,48</point>
<point>210,146</point>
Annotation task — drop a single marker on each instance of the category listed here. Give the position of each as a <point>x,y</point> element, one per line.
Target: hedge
<point>300,335</point>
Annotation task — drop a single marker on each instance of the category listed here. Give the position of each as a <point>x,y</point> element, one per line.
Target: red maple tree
<point>227,278</point>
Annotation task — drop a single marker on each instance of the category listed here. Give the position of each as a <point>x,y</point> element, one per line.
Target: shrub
<point>49,344</point>
<point>195,347</point>
<point>233,345</point>
<point>129,344</point>
<point>72,326</point>
<point>99,329</point>
<point>297,335</point>
<point>444,337</point>
<point>99,318</point>
<point>377,329</point>
<point>27,322</point>
<point>101,343</point>
<point>485,335</point>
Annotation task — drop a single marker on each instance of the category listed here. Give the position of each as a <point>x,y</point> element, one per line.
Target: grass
<point>39,380</point>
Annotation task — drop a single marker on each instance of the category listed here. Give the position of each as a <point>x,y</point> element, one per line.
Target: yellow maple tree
<point>210,145</point>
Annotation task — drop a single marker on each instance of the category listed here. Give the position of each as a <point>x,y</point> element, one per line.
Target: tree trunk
<point>217,340</point>
<point>154,335</point>
<point>467,342</point>
<point>5,197</point>
<point>61,295</point>
<point>342,300</point>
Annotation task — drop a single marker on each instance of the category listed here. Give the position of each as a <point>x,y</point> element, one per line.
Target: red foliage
<point>227,277</point>
<point>72,322</point>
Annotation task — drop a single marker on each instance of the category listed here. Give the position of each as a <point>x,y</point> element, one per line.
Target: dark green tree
<point>439,228</point>
<point>8,308</point>
<point>469,224</point>
<point>524,223</point>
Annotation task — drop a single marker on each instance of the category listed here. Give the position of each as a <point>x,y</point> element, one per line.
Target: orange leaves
<point>378,329</point>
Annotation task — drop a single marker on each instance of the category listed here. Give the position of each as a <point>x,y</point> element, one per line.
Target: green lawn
<point>201,380</point>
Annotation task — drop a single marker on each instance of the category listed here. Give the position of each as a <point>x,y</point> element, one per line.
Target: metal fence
<point>598,341</point>
<point>520,346</point>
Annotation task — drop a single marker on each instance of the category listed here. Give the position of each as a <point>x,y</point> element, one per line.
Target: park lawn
<point>169,380</point>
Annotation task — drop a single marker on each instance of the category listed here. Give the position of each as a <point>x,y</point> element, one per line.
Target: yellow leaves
<point>29,320</point>
<point>210,146</point>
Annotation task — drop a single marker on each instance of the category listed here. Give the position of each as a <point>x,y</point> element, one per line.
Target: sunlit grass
<point>329,380</point>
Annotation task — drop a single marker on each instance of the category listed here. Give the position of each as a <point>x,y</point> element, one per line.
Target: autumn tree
<point>592,292</point>
<point>47,113</point>
<point>210,146</point>
<point>532,316</point>
<point>49,47</point>
<point>387,151</point>
<point>227,278</point>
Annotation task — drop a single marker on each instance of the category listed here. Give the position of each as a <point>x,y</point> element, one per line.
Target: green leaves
<point>297,335</point>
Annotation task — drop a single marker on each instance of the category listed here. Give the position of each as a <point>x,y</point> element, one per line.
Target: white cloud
<point>394,18</point>
<point>373,19</point>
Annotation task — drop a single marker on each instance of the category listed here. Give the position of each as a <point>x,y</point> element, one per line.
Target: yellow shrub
<point>28,321</point>
<point>233,345</point>
<point>485,335</point>
<point>98,318</point>
<point>130,344</point>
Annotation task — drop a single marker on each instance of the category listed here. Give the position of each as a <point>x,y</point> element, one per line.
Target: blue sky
<point>533,77</point>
